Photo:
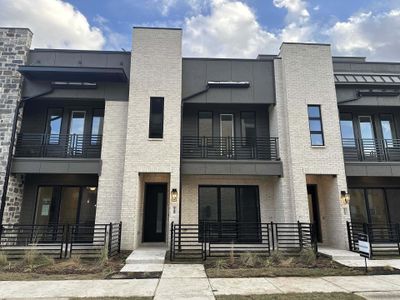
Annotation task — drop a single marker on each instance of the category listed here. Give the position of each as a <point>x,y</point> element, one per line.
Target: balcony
<point>230,156</point>
<point>60,146</point>
<point>371,150</point>
<point>227,148</point>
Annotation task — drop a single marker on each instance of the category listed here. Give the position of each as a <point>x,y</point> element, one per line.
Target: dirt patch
<point>62,269</point>
<point>287,266</point>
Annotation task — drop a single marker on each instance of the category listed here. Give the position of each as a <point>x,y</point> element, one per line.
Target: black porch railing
<point>210,239</point>
<point>371,149</point>
<point>384,238</point>
<point>61,241</point>
<point>230,148</point>
<point>58,145</point>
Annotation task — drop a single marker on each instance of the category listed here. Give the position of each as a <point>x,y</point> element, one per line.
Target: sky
<point>214,28</point>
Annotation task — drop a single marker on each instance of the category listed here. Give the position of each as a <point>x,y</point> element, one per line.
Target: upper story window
<point>248,126</point>
<point>156,124</point>
<point>54,122</point>
<point>97,126</point>
<point>315,123</point>
<point>205,124</point>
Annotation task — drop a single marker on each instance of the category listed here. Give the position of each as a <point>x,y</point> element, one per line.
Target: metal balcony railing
<point>371,149</point>
<point>230,148</point>
<point>58,145</point>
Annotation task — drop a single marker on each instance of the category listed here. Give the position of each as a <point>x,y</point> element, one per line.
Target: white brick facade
<point>304,76</point>
<point>109,193</point>
<point>156,72</point>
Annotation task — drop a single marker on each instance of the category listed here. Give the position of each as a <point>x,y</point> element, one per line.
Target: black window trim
<point>255,124</point>
<point>91,123</point>
<point>317,119</point>
<point>162,118</point>
<point>48,120</point>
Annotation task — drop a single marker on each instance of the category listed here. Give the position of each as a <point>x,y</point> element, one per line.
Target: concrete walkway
<point>183,281</point>
<point>353,259</point>
<point>145,259</point>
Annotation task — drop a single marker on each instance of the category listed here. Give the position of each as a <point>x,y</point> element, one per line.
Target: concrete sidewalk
<point>190,282</point>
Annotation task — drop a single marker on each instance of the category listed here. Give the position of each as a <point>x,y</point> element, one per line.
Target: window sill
<point>155,139</point>
<point>318,147</point>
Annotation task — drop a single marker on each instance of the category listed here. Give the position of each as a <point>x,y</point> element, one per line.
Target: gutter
<point>20,104</point>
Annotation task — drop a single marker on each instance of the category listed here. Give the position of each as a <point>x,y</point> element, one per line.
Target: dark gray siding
<point>32,182</point>
<point>197,72</point>
<point>75,58</point>
<point>190,117</point>
<point>366,67</point>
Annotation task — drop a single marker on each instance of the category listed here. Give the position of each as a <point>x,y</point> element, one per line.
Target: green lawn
<point>297,296</point>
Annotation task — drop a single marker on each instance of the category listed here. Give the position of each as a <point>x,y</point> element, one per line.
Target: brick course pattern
<point>14,49</point>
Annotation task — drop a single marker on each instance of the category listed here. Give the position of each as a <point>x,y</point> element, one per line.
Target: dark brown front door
<point>154,212</point>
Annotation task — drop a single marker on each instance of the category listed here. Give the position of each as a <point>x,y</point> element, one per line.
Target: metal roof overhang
<point>74,74</point>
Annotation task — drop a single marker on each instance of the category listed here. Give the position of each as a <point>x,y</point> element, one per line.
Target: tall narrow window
<point>156,126</point>
<point>248,126</point>
<point>205,124</point>
<point>347,130</point>
<point>315,123</point>
<point>54,122</point>
<point>97,126</point>
<point>388,130</point>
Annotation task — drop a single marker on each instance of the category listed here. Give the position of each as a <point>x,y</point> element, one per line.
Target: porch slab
<point>139,267</point>
<point>147,255</point>
<point>183,271</point>
<point>339,254</point>
<point>304,285</point>
<point>242,286</point>
<point>380,295</point>
<point>78,288</point>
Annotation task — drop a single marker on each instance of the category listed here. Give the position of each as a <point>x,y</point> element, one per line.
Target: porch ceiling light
<point>92,188</point>
<point>228,84</point>
<point>344,198</point>
<point>174,195</point>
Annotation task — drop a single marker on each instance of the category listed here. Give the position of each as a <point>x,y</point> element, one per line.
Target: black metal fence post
<point>172,241</point>
<point>67,232</point>
<point>110,238</point>
<point>397,234</point>
<point>119,236</point>
<point>204,241</point>
<point>272,236</point>
<point>300,235</point>
<point>349,236</point>
<point>1,232</point>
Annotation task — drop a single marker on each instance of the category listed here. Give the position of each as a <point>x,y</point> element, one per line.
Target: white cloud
<point>297,10</point>
<point>230,30</point>
<point>114,40</point>
<point>376,36</point>
<point>55,24</point>
<point>195,6</point>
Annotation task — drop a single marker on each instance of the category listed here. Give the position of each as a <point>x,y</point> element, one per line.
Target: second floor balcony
<point>230,148</point>
<point>371,150</point>
<point>58,145</point>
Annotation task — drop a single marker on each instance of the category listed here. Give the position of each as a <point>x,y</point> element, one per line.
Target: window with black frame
<point>315,124</point>
<point>205,128</point>
<point>229,214</point>
<point>54,123</point>
<point>156,123</point>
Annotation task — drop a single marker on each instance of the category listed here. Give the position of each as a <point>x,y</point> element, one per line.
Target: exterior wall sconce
<point>344,198</point>
<point>174,195</point>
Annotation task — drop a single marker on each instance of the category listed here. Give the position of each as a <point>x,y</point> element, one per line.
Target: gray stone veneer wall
<point>14,49</point>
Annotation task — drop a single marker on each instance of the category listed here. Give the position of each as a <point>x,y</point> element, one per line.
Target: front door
<point>226,128</point>
<point>313,207</point>
<point>154,212</point>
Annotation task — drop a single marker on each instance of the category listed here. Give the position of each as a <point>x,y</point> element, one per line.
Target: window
<point>347,130</point>
<point>97,126</point>
<point>388,129</point>
<point>248,126</point>
<point>205,124</point>
<point>231,212</point>
<point>315,123</point>
<point>156,126</point>
<point>54,122</point>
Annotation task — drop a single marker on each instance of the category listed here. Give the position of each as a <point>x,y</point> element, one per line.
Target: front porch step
<point>137,268</point>
<point>339,254</point>
<point>147,255</point>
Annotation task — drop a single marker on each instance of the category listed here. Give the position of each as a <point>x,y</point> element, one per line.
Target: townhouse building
<point>150,139</point>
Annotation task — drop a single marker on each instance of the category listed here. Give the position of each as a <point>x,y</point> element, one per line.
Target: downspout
<point>11,149</point>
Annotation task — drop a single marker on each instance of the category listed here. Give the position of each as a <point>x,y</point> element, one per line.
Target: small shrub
<point>388,268</point>
<point>3,259</point>
<point>30,257</point>
<point>267,263</point>
<point>276,257</point>
<point>103,258</point>
<point>248,259</point>
<point>287,262</point>
<point>221,264</point>
<point>307,257</point>
<point>232,257</point>
<point>76,259</point>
